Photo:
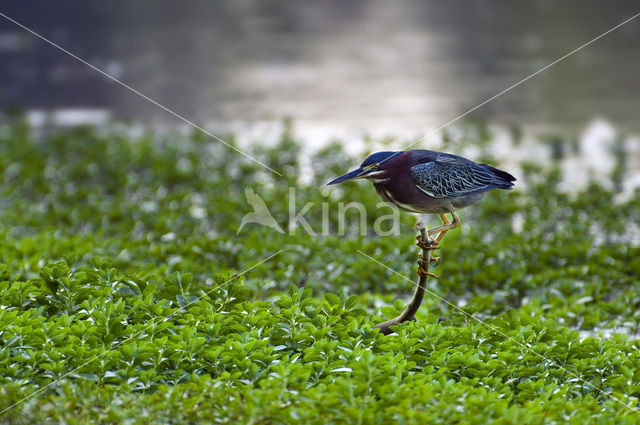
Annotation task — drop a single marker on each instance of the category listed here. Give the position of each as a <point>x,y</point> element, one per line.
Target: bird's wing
<point>449,176</point>
<point>254,199</point>
<point>248,192</point>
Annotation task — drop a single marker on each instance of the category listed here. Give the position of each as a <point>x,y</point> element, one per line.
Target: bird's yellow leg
<point>428,244</point>
<point>446,226</point>
<point>423,267</point>
<point>445,222</point>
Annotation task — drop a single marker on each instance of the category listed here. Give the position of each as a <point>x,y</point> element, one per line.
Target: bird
<point>260,214</point>
<point>429,182</point>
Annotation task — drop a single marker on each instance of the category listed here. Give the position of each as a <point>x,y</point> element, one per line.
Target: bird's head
<point>373,168</point>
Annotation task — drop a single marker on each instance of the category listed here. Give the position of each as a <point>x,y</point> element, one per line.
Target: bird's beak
<point>350,175</point>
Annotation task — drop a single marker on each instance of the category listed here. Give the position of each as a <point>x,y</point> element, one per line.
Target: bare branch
<point>424,262</point>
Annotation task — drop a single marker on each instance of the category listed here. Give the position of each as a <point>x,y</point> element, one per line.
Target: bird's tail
<point>503,180</point>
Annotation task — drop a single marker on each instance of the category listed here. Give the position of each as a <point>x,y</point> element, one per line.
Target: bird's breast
<point>407,197</point>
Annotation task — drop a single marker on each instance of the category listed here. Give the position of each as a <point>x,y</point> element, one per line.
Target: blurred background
<point>348,70</point>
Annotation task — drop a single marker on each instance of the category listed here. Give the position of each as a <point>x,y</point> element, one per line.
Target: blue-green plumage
<point>424,181</point>
<point>449,176</point>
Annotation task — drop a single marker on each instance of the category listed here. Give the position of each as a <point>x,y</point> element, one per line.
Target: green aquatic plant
<point>118,301</point>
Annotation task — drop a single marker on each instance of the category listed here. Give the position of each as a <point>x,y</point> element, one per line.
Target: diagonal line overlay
<point>114,79</point>
<point>560,59</point>
<point>183,308</point>
<point>498,331</point>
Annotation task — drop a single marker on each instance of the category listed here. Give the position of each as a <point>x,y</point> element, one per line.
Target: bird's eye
<point>375,166</point>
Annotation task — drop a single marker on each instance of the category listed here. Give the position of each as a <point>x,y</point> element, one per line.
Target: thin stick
<point>410,311</point>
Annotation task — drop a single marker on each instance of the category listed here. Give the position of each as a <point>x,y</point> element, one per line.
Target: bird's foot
<point>435,261</point>
<point>423,268</point>
<point>427,245</point>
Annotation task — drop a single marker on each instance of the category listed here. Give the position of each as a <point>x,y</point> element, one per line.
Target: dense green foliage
<point>118,257</point>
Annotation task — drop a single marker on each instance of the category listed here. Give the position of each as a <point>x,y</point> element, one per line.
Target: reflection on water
<point>333,66</point>
<point>348,68</point>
